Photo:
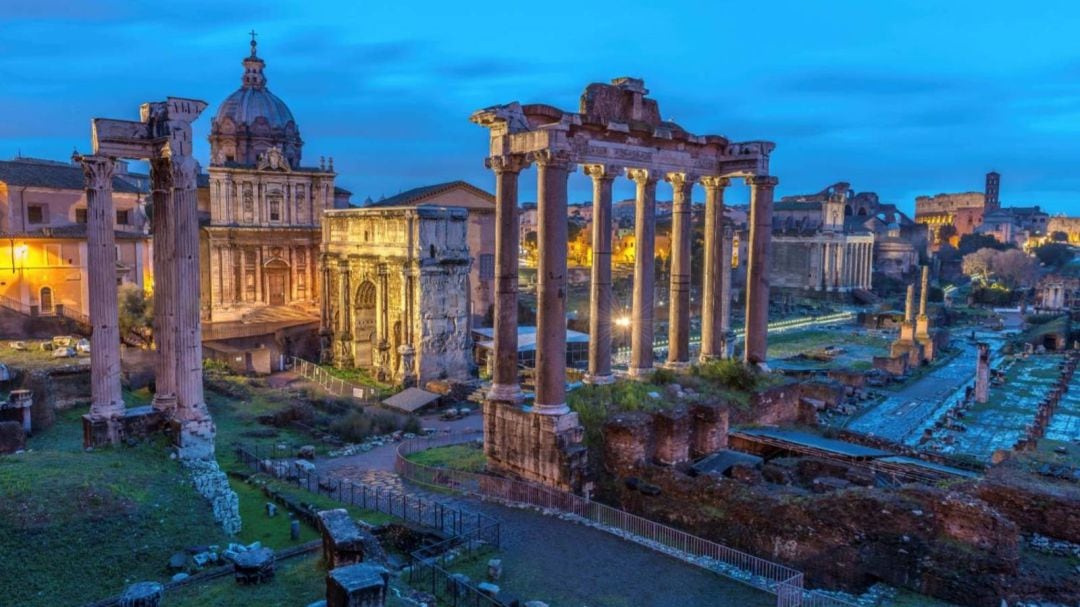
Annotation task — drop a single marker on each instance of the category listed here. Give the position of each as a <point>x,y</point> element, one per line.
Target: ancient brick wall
<point>669,437</point>
<point>542,448</point>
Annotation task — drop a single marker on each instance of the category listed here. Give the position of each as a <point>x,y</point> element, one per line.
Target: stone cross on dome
<point>253,43</point>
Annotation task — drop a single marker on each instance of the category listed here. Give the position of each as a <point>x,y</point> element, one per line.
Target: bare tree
<point>979,265</point>
<point>1015,268</point>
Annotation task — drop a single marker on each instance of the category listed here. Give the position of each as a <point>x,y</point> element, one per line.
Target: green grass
<point>82,525</point>
<point>272,532</point>
<point>297,581</point>
<point>456,457</point>
<point>35,358</point>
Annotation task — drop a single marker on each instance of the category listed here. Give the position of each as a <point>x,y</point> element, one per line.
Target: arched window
<point>46,300</point>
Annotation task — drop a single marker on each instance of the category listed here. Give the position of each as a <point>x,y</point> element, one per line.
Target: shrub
<point>729,373</point>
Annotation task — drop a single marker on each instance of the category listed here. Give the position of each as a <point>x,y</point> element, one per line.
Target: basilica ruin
<point>617,131</point>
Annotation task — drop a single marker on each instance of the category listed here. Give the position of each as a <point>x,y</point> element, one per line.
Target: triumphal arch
<point>618,131</point>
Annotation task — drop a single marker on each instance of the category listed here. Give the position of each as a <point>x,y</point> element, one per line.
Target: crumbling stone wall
<point>780,405</point>
<point>944,544</point>
<point>669,437</point>
<point>1038,505</point>
<point>893,365</point>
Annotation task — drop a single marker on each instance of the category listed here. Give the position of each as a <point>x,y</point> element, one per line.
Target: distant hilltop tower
<point>993,183</point>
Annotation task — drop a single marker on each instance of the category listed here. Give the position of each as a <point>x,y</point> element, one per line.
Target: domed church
<point>260,247</point>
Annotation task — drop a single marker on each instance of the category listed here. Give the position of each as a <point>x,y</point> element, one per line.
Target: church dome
<point>252,120</point>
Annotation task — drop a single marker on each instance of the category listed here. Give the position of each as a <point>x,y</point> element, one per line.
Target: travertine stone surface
<point>679,296</point>
<point>507,168</point>
<point>641,316</point>
<point>600,287</point>
<point>714,291</point>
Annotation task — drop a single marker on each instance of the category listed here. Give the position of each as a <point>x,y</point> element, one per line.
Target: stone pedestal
<point>254,566</point>
<point>342,540</point>
<point>194,439</point>
<point>17,409</point>
<point>136,422</point>
<point>357,586</point>
<point>543,448</point>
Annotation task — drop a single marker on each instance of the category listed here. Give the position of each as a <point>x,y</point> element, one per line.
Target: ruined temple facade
<point>817,246</point>
<point>395,297</point>
<point>260,248</point>
<point>617,132</point>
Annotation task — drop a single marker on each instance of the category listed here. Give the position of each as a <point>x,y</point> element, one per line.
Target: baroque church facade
<point>262,210</point>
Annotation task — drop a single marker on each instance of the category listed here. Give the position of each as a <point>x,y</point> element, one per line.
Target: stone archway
<point>364,330</point>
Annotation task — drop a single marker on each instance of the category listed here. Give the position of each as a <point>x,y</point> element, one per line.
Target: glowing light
<point>623,321</point>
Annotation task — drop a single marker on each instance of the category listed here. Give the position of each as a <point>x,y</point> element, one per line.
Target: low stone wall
<point>55,389</point>
<point>786,404</point>
<point>213,485</point>
<point>670,437</point>
<point>893,365</point>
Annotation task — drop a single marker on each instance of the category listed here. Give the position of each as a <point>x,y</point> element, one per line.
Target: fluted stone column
<point>642,329</point>
<point>679,309</point>
<point>505,385</point>
<point>196,437</point>
<point>909,304</point>
<point>757,268</point>
<point>106,400</point>
<point>714,289</point>
<point>553,167</point>
<point>600,289</point>
<point>165,293</point>
<point>345,306</point>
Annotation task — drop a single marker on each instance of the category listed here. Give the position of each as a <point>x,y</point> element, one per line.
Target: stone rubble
<point>213,485</point>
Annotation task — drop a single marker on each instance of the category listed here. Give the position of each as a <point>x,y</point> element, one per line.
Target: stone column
<point>909,304</point>
<point>106,400</point>
<point>196,433</point>
<point>600,289</point>
<point>504,380</point>
<point>553,167</point>
<point>714,288</point>
<point>165,292</point>
<point>924,291</point>
<point>344,330</point>
<point>869,266</point>
<point>641,338</point>
<point>679,309</point>
<point>757,268</point>
<point>982,373</point>
<point>727,346</point>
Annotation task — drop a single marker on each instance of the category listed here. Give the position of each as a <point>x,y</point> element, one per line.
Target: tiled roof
<point>422,193</point>
<point>45,174</point>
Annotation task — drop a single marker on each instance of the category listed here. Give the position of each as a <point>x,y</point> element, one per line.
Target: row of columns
<point>553,168</point>
<point>846,265</point>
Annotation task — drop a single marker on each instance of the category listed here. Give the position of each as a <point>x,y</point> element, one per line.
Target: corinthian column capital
<point>762,181</point>
<point>713,182</point>
<point>642,176</point>
<point>681,182</point>
<point>184,170</point>
<point>98,172</point>
<point>506,163</point>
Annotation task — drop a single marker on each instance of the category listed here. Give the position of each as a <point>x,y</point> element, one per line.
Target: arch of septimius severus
<point>617,131</point>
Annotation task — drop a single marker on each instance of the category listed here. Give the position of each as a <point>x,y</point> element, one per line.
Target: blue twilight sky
<point>902,98</point>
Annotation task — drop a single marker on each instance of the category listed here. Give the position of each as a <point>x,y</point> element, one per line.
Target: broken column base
<point>135,422</point>
<point>910,349</point>
<point>193,439</point>
<point>547,449</point>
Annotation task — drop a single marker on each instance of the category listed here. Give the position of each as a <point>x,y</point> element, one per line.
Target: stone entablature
<point>825,261</point>
<point>268,197</point>
<point>395,292</point>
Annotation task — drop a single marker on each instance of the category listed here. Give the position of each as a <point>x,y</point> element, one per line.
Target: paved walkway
<point>559,562</point>
<point>904,414</point>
